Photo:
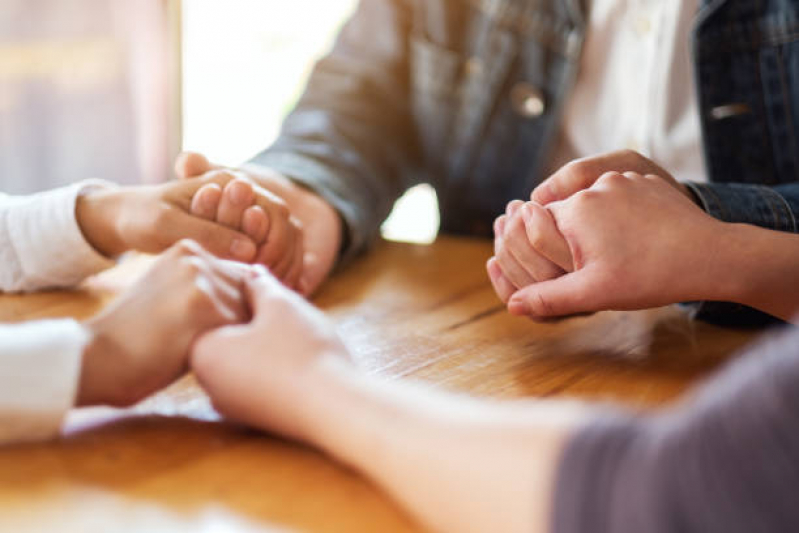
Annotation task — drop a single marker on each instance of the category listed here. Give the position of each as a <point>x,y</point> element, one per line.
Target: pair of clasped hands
<point>224,295</point>
<point>609,232</point>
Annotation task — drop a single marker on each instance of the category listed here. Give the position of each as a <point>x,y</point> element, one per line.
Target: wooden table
<point>169,464</point>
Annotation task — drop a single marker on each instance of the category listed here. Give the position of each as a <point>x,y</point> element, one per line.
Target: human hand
<point>528,248</point>
<point>268,372</point>
<point>636,242</point>
<point>153,218</point>
<point>141,343</point>
<point>583,173</point>
<point>321,224</point>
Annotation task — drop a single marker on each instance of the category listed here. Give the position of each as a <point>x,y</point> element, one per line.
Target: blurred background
<point>114,90</point>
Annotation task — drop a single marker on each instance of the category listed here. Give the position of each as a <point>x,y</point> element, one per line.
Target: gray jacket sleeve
<point>726,461</point>
<point>351,138</point>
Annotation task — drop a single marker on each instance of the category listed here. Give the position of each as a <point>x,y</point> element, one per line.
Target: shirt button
<point>527,100</point>
<point>633,145</point>
<point>642,26</point>
<point>473,67</point>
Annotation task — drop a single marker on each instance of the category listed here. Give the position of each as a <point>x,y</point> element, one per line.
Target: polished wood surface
<point>427,312</point>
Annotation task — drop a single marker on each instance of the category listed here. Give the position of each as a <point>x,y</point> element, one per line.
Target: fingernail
<point>208,199</point>
<point>243,250</point>
<point>518,306</point>
<point>527,213</point>
<point>239,193</point>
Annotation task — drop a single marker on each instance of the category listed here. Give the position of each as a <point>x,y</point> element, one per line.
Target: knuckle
<point>629,153</point>
<point>633,176</point>
<point>185,247</point>
<point>536,237</point>
<point>574,167</point>
<point>584,198</point>
<point>610,179</point>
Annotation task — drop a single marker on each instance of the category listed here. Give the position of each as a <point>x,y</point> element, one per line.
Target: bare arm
<point>457,464</point>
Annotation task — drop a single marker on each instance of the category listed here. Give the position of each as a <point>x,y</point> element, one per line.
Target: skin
<point>456,464</point>
<point>151,219</point>
<point>120,365</point>
<point>673,252</point>
<point>531,253</point>
<point>303,261</point>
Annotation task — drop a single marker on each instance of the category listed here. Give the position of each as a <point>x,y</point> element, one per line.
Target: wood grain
<point>426,312</point>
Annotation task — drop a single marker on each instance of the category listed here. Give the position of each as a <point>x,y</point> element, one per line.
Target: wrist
<point>96,213</point>
<point>100,378</point>
<point>91,375</point>
<point>731,262</point>
<point>328,390</point>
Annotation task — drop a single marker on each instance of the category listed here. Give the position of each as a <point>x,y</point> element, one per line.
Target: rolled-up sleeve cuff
<point>745,204</point>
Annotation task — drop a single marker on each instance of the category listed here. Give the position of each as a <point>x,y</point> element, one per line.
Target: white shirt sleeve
<point>40,364</point>
<point>41,244</point>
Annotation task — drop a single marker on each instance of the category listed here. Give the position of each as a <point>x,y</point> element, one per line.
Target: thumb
<point>192,164</point>
<point>218,239</point>
<point>569,294</point>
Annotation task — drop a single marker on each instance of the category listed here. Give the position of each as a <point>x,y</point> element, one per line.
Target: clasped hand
<point>610,232</point>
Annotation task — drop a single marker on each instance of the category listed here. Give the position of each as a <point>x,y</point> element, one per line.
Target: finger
<point>499,232</point>
<point>568,180</point>
<point>215,307</point>
<point>260,289</point>
<point>205,202</point>
<point>237,196</point>
<point>296,269</point>
<point>538,266</point>
<point>284,262</point>
<point>567,295</point>
<point>255,223</point>
<point>502,286</point>
<point>219,240</point>
<point>545,237</point>
<point>229,298</point>
<point>279,242</point>
<point>511,268</point>
<point>232,272</point>
<point>213,300</point>
<point>513,207</point>
<point>192,164</point>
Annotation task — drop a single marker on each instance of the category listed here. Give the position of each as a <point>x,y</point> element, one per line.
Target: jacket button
<point>527,100</point>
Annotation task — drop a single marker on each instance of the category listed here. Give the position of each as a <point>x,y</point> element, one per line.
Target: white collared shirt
<point>636,87</point>
<point>41,246</point>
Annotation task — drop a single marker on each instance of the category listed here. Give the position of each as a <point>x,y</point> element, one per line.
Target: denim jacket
<point>467,95</point>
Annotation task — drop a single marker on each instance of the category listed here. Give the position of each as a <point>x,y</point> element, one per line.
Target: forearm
<point>457,464</point>
<point>758,267</point>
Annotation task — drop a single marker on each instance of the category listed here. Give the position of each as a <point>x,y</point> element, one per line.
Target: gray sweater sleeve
<point>727,460</point>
